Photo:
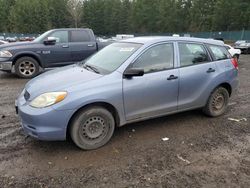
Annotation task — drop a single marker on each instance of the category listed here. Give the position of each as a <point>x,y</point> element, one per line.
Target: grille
<point>26,95</point>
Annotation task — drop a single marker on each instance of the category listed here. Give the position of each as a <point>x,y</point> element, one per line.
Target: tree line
<point>107,17</point>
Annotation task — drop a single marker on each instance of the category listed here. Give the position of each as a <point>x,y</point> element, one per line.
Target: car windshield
<point>111,57</point>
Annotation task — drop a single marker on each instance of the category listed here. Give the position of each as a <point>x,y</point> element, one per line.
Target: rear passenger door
<point>196,74</point>
<point>82,45</point>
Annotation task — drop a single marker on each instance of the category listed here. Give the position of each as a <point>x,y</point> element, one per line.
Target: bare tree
<point>75,8</point>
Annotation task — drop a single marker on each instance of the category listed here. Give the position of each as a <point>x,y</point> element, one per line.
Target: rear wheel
<point>217,102</point>
<point>91,128</point>
<point>26,67</point>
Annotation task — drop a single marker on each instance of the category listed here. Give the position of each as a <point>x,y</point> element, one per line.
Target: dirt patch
<point>200,152</point>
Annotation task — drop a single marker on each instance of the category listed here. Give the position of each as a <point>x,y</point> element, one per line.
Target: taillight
<point>235,63</point>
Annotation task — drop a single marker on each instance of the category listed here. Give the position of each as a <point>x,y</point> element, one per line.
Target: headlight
<point>48,99</point>
<point>5,54</point>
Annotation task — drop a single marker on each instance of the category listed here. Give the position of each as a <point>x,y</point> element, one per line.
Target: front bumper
<point>45,123</point>
<point>6,65</point>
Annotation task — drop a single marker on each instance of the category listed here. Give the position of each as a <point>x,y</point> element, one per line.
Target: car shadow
<point>6,75</point>
<point>124,132</point>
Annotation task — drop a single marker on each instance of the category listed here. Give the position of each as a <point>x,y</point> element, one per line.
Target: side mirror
<point>131,72</point>
<point>50,41</point>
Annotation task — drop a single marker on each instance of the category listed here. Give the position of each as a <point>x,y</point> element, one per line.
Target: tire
<point>217,102</point>
<point>248,51</point>
<point>92,128</point>
<point>26,67</point>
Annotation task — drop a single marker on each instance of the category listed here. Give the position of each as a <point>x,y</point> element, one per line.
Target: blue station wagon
<point>128,81</point>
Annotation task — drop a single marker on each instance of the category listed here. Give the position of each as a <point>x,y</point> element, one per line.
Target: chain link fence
<point>226,35</point>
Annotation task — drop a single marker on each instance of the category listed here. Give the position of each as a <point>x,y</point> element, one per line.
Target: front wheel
<point>91,128</point>
<point>217,102</point>
<point>26,67</point>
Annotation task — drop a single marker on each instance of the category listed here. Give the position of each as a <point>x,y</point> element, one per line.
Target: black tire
<point>248,51</point>
<point>217,102</point>
<point>26,67</point>
<point>91,128</point>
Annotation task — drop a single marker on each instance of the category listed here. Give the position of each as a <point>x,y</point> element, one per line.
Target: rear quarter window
<point>219,52</point>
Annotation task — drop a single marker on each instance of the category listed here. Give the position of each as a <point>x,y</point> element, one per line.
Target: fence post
<point>242,33</point>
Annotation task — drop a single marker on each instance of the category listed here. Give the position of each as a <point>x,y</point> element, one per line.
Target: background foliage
<point>107,17</point>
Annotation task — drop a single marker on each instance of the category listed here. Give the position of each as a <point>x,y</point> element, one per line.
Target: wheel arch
<point>105,105</point>
<point>225,85</point>
<point>28,54</point>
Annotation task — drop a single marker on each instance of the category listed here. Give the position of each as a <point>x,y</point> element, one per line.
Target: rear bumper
<point>6,65</point>
<point>234,82</point>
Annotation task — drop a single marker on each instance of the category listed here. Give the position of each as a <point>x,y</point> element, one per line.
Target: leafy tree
<point>5,6</point>
<point>59,16</point>
<point>202,14</point>
<point>75,10</point>
<point>108,17</point>
<point>29,16</point>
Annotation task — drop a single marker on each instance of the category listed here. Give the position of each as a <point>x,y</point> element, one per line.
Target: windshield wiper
<point>91,68</point>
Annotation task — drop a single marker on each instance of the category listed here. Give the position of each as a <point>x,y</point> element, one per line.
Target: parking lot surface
<point>197,151</point>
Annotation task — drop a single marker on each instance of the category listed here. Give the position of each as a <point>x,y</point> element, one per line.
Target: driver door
<point>58,54</point>
<point>156,92</point>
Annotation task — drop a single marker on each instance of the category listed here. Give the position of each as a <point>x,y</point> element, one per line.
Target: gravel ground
<point>200,152</point>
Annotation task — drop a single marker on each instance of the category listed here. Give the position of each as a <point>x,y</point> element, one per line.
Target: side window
<point>157,58</point>
<point>219,52</point>
<point>79,36</point>
<point>191,54</point>
<point>61,36</point>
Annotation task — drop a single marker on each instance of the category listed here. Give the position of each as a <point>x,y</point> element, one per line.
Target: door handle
<point>90,45</point>
<point>172,77</point>
<point>65,46</point>
<point>210,70</point>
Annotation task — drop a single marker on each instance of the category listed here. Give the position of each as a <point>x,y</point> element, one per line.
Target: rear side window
<point>79,36</point>
<point>157,58</point>
<point>219,52</point>
<point>191,54</point>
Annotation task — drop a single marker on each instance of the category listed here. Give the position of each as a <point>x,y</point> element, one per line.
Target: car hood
<point>15,45</point>
<point>59,80</point>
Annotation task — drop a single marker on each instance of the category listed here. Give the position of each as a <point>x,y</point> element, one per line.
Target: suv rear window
<point>79,36</point>
<point>191,53</point>
<point>219,52</point>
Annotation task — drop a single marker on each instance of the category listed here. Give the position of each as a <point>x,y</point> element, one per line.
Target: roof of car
<point>156,39</point>
<point>70,29</point>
